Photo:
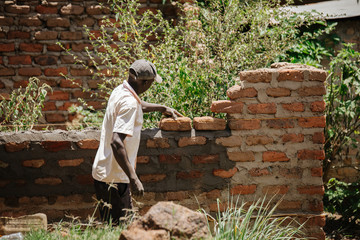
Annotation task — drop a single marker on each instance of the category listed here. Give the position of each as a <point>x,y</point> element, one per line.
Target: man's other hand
<point>172,113</point>
<point>136,187</point>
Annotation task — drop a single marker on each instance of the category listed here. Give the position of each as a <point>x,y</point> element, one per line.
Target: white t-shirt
<point>123,115</point>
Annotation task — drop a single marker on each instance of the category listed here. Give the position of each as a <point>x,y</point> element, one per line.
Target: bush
<point>200,55</point>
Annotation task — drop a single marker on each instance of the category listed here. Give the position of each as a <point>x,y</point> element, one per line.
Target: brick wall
<point>271,143</point>
<point>29,33</point>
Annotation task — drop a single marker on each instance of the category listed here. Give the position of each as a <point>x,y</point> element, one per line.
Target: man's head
<point>142,74</point>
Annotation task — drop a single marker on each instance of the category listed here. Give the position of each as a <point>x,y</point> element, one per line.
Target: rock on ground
<point>167,220</point>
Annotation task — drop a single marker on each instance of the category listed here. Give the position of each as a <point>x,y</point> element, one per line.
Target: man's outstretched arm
<point>118,147</point>
<point>152,107</point>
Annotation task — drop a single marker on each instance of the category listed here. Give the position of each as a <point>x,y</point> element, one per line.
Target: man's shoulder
<point>123,96</point>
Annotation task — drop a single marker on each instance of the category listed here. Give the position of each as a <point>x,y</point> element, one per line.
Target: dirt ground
<point>337,229</point>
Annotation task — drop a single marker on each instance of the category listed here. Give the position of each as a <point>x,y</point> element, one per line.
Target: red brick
<point>67,59</point>
<point>94,34</point>
<point>2,85</point>
<point>58,22</point>
<point>89,22</point>
<point>291,173</point>
<point>88,144</point>
<point>31,71</point>
<point>312,122</point>
<point>49,106</point>
<point>48,181</point>
<point>22,59</point>
<point>86,179</point>
<point>176,196</point>
<point>278,92</point>
<point>258,140</point>
<point>148,178</point>
<point>293,107</point>
<point>5,96</point>
<point>191,141</point>
<point>170,124</point>
<point>46,9</point>
<point>243,189</point>
<point>59,95</point>
<point>291,75</point>
<point>46,35</point>
<point>209,123</point>
<point>261,75</point>
<point>312,91</point>
<point>318,137</point>
<point>237,91</point>
<point>218,207</point>
<point>96,104</point>
<point>3,183</point>
<point>241,156</point>
<point>82,94</point>
<point>31,47</point>
<point>258,172</point>
<point>289,205</point>
<point>232,141</point>
<point>36,163</point>
<point>55,146</point>
<point>280,123</point>
<point>143,159</point>
<point>81,72</point>
<point>169,158</point>
<point>22,83</point>
<point>7,72</point>
<point>16,147</point>
<point>7,47</point>
<point>317,172</point>
<point>55,117</point>
<point>204,159</point>
<point>66,106</point>
<point>71,35</point>
<point>18,35</point>
<point>56,48</point>
<point>293,137</point>
<point>311,190</point>
<point>17,9</point>
<point>71,162</point>
<point>262,108</point>
<point>157,143</point>
<point>307,154</point>
<point>225,173</point>
<point>271,156</point>
<point>275,189</point>
<point>317,75</point>
<point>94,10</point>
<point>80,47</point>
<point>244,124</point>
<point>72,10</point>
<point>213,194</point>
<point>53,72</point>
<point>226,106</point>
<point>1,60</point>
<point>30,21</point>
<point>317,206</point>
<point>189,175</point>
<point>6,21</point>
<point>142,10</point>
<point>46,60</point>
<point>318,106</point>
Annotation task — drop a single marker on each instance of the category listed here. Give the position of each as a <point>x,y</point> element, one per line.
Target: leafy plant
<point>342,105</point>
<point>257,221</point>
<point>343,198</point>
<point>198,56</point>
<point>23,108</point>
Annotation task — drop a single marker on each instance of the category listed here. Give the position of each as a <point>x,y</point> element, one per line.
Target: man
<point>114,165</point>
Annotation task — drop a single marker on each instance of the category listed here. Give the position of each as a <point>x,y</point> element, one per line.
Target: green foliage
<point>23,109</point>
<point>85,117</point>
<point>255,222</point>
<point>198,56</point>
<point>344,199</point>
<point>342,104</point>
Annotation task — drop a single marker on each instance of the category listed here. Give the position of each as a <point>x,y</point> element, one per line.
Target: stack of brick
<point>271,145</point>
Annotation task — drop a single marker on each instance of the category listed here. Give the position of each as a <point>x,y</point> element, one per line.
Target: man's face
<point>144,85</point>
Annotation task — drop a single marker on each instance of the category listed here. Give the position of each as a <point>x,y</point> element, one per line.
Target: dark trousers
<point>114,200</point>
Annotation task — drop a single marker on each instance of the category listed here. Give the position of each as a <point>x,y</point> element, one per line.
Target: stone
<point>167,220</point>
<point>9,225</point>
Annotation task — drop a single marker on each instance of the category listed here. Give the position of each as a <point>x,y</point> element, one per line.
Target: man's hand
<point>136,187</point>
<point>172,113</point>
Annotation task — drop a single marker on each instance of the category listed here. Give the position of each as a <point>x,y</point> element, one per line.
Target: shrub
<point>198,56</point>
<point>23,108</point>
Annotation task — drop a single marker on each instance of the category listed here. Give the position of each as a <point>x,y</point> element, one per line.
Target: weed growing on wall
<point>199,55</point>
<point>23,108</point>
